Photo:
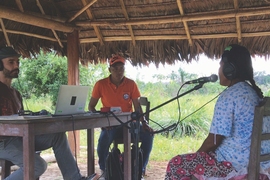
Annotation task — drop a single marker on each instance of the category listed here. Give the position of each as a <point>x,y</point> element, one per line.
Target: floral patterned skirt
<point>182,167</point>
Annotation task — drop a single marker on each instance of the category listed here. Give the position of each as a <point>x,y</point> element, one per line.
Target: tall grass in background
<point>192,120</point>
<point>187,110</point>
<point>36,104</point>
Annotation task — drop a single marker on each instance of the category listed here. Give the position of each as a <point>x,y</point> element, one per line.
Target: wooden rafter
<point>128,38</point>
<point>34,20</point>
<point>54,33</point>
<point>19,5</point>
<point>175,37</point>
<point>238,24</point>
<point>82,10</point>
<point>4,31</point>
<point>180,7</point>
<point>176,19</point>
<point>96,28</point>
<point>127,18</point>
<point>31,35</point>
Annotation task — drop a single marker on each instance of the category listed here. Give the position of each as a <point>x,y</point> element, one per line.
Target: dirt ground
<point>154,170</point>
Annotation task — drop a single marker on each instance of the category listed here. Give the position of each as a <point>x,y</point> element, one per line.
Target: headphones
<point>1,65</point>
<point>229,69</point>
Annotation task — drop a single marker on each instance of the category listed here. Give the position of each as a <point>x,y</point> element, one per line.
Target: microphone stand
<point>135,131</point>
<point>137,116</point>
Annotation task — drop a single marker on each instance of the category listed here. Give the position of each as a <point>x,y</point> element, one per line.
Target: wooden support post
<point>73,79</point>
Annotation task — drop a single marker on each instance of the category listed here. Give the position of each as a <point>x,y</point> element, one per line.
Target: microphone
<point>212,78</point>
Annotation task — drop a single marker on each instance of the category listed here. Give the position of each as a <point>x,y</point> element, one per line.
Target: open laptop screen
<point>71,99</point>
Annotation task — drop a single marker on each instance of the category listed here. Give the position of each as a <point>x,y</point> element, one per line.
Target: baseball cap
<point>8,52</point>
<point>117,59</point>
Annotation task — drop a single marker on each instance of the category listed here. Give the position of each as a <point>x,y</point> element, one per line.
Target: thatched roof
<point>143,30</point>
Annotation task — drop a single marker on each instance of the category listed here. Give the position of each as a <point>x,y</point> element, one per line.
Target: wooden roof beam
<point>128,38</point>
<point>82,10</point>
<point>19,5</point>
<point>175,19</point>
<point>174,37</point>
<point>96,28</point>
<point>34,20</point>
<point>127,18</point>
<point>238,24</point>
<point>180,7</point>
<point>54,33</point>
<point>31,35</point>
<point>5,32</point>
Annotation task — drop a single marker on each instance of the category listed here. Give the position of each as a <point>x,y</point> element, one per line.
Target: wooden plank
<point>73,79</point>
<point>267,106</point>
<point>254,159</point>
<point>90,151</point>
<point>34,20</point>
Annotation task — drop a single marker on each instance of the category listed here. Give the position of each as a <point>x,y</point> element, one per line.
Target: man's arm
<point>92,104</point>
<point>211,143</point>
<point>138,108</point>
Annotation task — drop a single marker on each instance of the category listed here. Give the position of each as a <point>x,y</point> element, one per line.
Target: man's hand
<point>146,127</point>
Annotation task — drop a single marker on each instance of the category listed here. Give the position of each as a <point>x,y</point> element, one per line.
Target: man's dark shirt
<point>10,102</point>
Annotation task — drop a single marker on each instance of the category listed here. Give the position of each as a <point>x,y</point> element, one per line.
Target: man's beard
<point>11,74</point>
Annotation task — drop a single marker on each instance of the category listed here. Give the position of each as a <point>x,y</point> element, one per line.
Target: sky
<point>204,67</point>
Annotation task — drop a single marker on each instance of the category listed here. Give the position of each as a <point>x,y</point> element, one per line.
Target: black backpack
<point>114,170</point>
<point>115,164</point>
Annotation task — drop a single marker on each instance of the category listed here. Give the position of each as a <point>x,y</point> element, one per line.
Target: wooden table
<point>29,126</point>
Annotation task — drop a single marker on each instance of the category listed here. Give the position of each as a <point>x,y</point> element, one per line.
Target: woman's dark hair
<point>239,57</point>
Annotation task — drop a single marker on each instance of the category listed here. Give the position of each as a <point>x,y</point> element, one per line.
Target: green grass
<point>163,148</point>
<point>36,104</point>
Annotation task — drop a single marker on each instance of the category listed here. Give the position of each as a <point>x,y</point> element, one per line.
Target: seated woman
<point>226,149</point>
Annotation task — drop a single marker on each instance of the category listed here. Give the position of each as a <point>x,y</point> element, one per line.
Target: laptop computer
<point>71,100</point>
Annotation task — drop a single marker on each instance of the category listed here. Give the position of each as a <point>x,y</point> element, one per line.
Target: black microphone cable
<point>121,122</point>
<point>174,125</point>
<point>23,93</point>
<point>75,142</point>
<point>201,106</point>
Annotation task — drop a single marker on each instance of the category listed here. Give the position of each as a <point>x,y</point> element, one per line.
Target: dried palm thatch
<point>142,30</point>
